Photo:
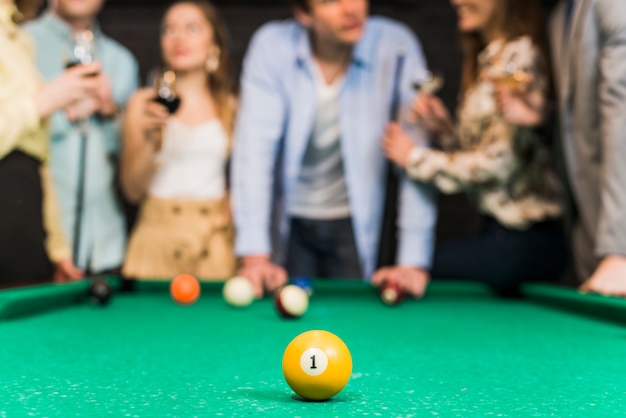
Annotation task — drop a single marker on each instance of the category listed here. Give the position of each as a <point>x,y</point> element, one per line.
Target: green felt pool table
<point>459,352</point>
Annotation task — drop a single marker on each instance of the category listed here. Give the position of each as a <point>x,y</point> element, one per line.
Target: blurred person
<point>174,165</point>
<point>589,46</point>
<point>85,138</point>
<point>495,152</point>
<point>33,248</point>
<point>308,175</point>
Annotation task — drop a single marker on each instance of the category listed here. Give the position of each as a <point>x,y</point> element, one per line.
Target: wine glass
<point>82,49</point>
<point>82,52</point>
<point>163,80</point>
<point>508,74</point>
<point>428,81</point>
<point>164,83</point>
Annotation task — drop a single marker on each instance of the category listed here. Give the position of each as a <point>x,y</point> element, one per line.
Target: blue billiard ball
<point>305,283</point>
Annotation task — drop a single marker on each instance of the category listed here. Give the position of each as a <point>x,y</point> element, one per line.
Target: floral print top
<point>485,156</point>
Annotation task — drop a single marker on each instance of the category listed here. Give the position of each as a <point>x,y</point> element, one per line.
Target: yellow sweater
<point>20,126</point>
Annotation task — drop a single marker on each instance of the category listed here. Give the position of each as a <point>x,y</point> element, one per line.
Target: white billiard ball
<point>291,301</point>
<point>238,291</point>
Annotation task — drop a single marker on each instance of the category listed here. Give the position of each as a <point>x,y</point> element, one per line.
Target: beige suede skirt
<point>180,236</point>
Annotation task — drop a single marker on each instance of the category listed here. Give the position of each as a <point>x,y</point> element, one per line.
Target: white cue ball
<point>390,296</point>
<point>238,291</point>
<point>291,301</point>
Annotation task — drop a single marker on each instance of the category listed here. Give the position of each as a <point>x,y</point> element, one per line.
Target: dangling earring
<point>212,63</point>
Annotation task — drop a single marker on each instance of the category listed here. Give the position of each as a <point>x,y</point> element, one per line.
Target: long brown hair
<point>513,18</point>
<point>220,82</point>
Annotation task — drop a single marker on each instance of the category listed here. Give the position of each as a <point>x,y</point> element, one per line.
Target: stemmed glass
<point>508,74</point>
<point>428,81</point>
<point>164,83</point>
<point>163,80</point>
<point>82,52</point>
<point>82,49</point>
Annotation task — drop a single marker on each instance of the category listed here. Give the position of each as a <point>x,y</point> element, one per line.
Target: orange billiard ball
<point>185,289</point>
<point>317,365</point>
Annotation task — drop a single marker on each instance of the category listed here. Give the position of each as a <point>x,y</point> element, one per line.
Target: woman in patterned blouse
<point>494,153</point>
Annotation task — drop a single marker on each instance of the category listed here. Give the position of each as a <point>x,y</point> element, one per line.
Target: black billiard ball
<point>100,292</point>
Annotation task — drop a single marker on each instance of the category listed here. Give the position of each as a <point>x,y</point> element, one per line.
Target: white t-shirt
<point>192,162</point>
<point>320,192</point>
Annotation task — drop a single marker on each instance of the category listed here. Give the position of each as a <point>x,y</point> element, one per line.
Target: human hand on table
<point>609,279</point>
<point>264,275</point>
<point>412,280</point>
<point>66,271</point>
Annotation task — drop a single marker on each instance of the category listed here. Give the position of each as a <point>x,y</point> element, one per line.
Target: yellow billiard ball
<point>317,365</point>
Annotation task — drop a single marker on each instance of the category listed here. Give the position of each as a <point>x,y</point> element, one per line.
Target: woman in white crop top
<point>175,165</point>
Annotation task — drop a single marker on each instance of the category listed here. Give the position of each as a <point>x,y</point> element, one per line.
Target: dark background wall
<point>135,23</point>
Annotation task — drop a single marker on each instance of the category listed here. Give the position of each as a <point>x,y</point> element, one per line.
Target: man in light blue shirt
<point>102,225</point>
<point>308,171</point>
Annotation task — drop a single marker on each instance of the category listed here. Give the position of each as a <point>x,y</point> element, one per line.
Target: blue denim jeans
<point>323,249</point>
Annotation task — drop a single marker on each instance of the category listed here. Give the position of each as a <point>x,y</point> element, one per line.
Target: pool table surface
<point>461,351</point>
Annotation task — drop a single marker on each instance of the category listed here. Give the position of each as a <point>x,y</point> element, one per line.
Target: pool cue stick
<point>80,191</point>
<point>86,40</point>
<point>388,242</point>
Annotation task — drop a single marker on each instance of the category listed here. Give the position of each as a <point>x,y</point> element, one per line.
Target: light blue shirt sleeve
<point>417,214</point>
<point>258,134</point>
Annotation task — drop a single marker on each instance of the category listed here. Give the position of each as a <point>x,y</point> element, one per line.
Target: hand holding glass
<point>164,84</point>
